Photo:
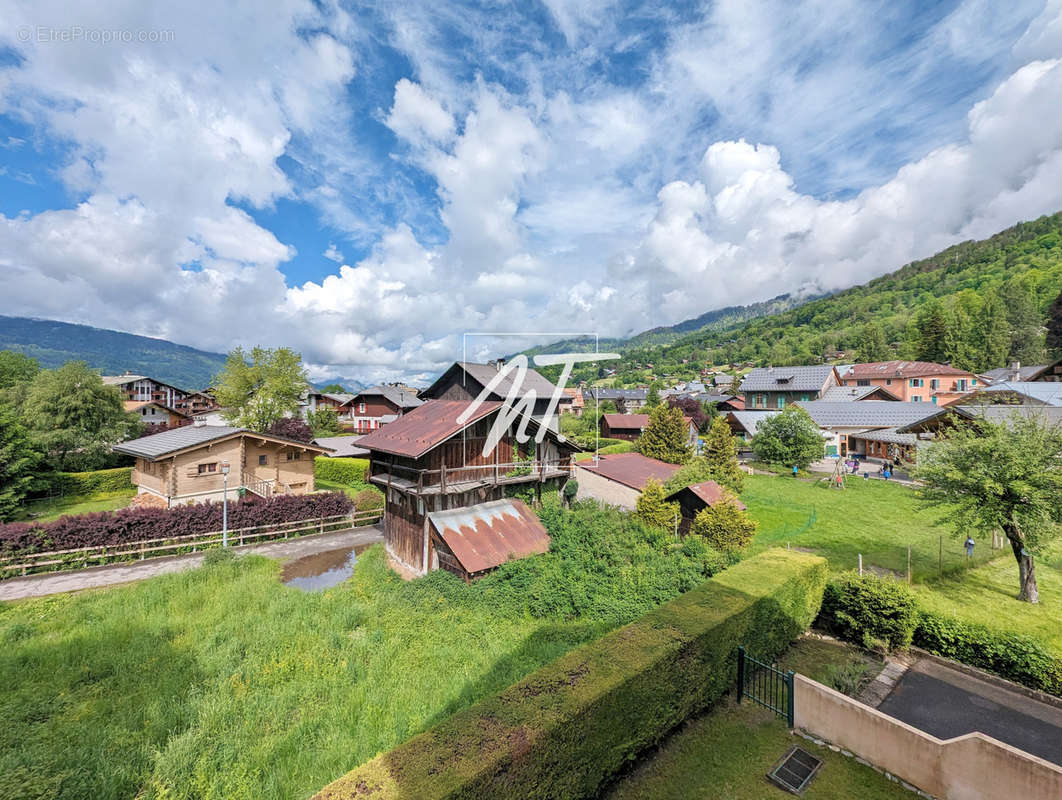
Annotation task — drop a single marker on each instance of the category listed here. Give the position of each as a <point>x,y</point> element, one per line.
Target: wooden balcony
<point>454,480</point>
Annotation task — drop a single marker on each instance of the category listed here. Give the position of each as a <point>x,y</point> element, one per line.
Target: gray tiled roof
<point>887,435</point>
<point>750,420</point>
<point>1049,415</point>
<point>1006,373</point>
<point>786,379</point>
<point>866,413</point>
<point>615,394</point>
<point>841,394</point>
<point>160,444</point>
<point>1044,392</point>
<point>400,398</point>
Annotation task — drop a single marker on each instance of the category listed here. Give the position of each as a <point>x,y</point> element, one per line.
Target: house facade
<point>184,465</point>
<point>629,427</point>
<point>627,401</point>
<point>142,389</point>
<point>775,387</point>
<point>427,462</point>
<point>912,381</point>
<point>155,416</point>
<point>370,408</point>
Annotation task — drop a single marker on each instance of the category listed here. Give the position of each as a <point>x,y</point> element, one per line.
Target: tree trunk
<point>1026,568</point>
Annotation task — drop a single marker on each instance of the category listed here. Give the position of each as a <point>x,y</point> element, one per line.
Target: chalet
<point>336,401</point>
<point>840,420</point>
<point>942,418</point>
<point>427,463</point>
<point>912,381</point>
<point>142,389</point>
<point>155,416</point>
<point>626,400</point>
<point>775,387</point>
<point>465,381</point>
<point>694,499</point>
<point>571,402</point>
<point>619,479</point>
<point>370,408</point>
<point>184,465</point>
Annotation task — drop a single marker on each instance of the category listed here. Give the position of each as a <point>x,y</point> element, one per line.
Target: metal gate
<point>765,685</point>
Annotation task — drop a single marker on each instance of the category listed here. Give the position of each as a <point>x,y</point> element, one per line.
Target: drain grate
<point>795,770</point>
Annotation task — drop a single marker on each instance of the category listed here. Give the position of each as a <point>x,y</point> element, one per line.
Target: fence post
<point>940,559</point>
<point>790,708</point>
<point>741,673</point>
<point>860,565</point>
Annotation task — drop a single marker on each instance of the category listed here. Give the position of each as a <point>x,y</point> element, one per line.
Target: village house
<point>618,479</point>
<point>155,416</point>
<point>839,421</point>
<point>697,497</point>
<point>744,424</point>
<point>1020,393</point>
<point>927,428</point>
<point>571,402</point>
<point>627,401</point>
<point>629,427</point>
<point>428,463</point>
<point>912,381</point>
<point>185,465</point>
<point>775,387</point>
<point>722,402</point>
<point>378,405</point>
<point>336,401</point>
<point>142,389</point>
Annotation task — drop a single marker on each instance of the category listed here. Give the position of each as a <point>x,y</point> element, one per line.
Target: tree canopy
<point>18,463</point>
<point>789,438</point>
<point>16,368</point>
<point>720,451</point>
<point>666,437</point>
<point>998,476</point>
<point>261,387</point>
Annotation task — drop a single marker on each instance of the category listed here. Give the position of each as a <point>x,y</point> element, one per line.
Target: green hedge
<point>79,483</point>
<point>1018,658</point>
<point>870,611</point>
<point>346,471</point>
<point>567,728</point>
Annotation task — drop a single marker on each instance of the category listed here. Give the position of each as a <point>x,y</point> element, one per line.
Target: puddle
<point>321,570</point>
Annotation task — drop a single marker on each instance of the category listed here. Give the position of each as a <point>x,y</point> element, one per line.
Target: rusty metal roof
<point>626,421</point>
<point>416,432</point>
<point>630,469</point>
<point>486,535</point>
<point>709,492</point>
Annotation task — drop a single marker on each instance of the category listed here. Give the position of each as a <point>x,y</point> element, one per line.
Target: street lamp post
<point>225,504</point>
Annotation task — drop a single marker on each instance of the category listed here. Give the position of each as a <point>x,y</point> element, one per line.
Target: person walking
<point>795,470</point>
<point>969,546</point>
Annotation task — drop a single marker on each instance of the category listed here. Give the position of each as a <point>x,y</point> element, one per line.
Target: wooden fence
<point>77,558</point>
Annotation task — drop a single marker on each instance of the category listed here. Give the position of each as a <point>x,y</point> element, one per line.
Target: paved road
<point>947,703</point>
<point>111,574</point>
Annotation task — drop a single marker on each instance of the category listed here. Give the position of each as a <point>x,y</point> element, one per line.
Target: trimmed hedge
<point>567,728</point>
<point>347,471</point>
<point>78,483</point>
<point>1018,658</point>
<point>870,610</point>
<point>138,524</point>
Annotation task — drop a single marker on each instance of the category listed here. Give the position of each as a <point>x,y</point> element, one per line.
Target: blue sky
<point>368,182</point>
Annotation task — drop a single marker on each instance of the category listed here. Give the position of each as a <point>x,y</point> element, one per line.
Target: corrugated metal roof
<point>898,369</point>
<point>416,432</point>
<point>866,413</point>
<point>630,469</point>
<point>709,492</point>
<point>487,535</point>
<point>158,445</point>
<point>627,421</point>
<point>786,379</point>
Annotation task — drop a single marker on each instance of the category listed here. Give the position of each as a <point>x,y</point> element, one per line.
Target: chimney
<point>498,363</point>
<point>1015,370</point>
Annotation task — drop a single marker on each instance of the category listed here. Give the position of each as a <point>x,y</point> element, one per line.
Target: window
<point>294,455</point>
<point>361,408</point>
<point>206,469</point>
<point>933,399</point>
<point>916,398</point>
<point>780,402</point>
<point>961,384</point>
<point>888,381</point>
<point>762,401</point>
<point>934,384</point>
<point>803,398</point>
<point>916,382</point>
<point>973,381</point>
<point>863,382</point>
<point>263,460</point>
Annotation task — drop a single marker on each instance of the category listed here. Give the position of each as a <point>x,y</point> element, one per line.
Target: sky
<point>370,183</point>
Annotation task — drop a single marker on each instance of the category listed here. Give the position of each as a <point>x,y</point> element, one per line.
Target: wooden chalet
<point>427,462</point>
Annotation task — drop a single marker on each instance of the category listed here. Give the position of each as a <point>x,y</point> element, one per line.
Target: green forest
<point>977,305</point>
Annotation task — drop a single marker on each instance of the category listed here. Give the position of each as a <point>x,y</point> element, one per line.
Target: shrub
<point>139,524</point>
<point>564,730</point>
<point>724,526</point>
<point>1012,656</point>
<point>653,510</point>
<point>97,481</point>
<point>870,610</point>
<point>847,677</point>
<point>345,471</point>
<point>369,499</point>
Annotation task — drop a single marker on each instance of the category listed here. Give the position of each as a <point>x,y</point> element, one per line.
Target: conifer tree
<point>666,437</point>
<point>720,451</point>
<point>1054,328</point>
<point>724,526</point>
<point>872,345</point>
<point>653,510</point>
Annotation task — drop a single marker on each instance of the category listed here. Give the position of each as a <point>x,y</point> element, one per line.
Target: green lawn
<point>875,518</point>
<point>49,509</point>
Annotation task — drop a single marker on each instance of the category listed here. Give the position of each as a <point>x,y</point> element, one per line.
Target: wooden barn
<point>427,462</point>
<point>694,499</point>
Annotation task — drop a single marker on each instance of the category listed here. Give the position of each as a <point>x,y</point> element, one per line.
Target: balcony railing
<point>459,478</point>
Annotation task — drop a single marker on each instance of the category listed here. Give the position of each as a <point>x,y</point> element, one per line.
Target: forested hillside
<point>977,305</point>
<point>111,352</point>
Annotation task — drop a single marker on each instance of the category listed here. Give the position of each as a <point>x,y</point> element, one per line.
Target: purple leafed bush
<point>139,524</point>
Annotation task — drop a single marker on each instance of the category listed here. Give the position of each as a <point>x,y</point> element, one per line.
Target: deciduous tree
<point>999,476</point>
<point>16,368</point>
<point>18,463</point>
<point>789,438</point>
<point>323,421</point>
<point>257,394</point>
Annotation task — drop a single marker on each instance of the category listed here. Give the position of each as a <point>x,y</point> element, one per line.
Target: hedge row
<point>138,524</point>
<point>1018,658</point>
<point>78,483</point>
<point>347,471</point>
<point>567,728</point>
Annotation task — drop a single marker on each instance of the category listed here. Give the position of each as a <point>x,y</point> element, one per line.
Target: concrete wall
<point>593,485</point>
<point>970,767</point>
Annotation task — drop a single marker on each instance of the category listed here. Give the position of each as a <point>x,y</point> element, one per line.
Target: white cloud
<point>333,253</point>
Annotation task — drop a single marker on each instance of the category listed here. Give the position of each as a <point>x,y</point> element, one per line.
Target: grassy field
<point>875,518</point>
<point>726,753</point>
<point>223,683</point>
<point>48,509</point>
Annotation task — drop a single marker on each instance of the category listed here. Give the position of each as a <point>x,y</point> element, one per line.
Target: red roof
<point>710,492</point>
<point>416,432</point>
<point>483,536</point>
<point>634,422</point>
<point>899,369</point>
<point>631,469</point>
